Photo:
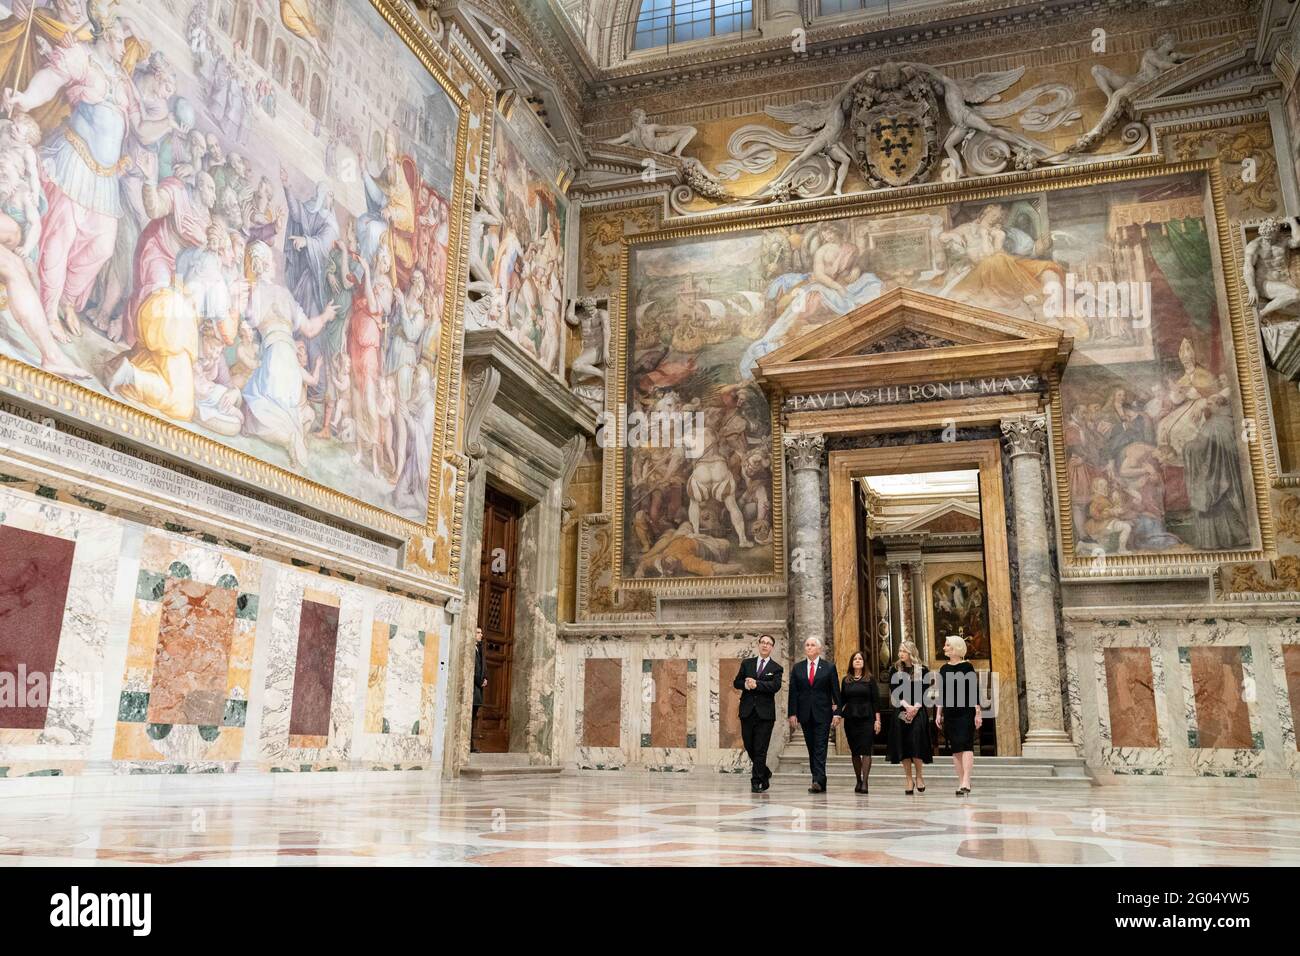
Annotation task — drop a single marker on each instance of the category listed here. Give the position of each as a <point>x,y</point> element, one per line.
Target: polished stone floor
<point>610,819</point>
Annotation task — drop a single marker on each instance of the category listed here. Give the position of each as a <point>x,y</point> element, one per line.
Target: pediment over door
<point>916,353</point>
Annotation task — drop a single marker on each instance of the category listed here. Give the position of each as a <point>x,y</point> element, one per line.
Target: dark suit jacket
<point>814,705</point>
<point>480,672</point>
<point>760,702</point>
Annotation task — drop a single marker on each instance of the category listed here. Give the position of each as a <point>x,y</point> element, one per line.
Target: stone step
<point>939,785</point>
<point>505,765</point>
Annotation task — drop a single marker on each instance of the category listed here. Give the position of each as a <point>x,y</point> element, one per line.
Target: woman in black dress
<point>959,712</point>
<point>861,716</point>
<point>909,731</point>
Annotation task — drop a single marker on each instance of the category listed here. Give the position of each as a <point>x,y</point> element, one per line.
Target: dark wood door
<point>496,615</point>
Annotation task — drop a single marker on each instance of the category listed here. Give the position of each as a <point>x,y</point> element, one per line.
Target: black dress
<point>909,741</point>
<point>858,708</point>
<point>957,687</point>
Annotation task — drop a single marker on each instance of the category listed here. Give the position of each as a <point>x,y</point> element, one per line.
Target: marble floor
<point>608,819</point>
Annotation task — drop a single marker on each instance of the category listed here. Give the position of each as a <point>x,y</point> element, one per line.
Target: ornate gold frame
<point>31,385</point>
<point>1246,359</point>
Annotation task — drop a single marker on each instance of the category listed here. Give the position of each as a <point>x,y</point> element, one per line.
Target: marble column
<point>1025,436</point>
<point>805,454</point>
<point>919,633</point>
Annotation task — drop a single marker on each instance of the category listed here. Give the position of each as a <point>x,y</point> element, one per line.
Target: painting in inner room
<point>234,216</point>
<point>523,249</point>
<point>1152,449</point>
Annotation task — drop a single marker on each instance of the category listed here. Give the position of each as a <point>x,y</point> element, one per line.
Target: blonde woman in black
<point>861,716</point>
<point>909,731</point>
<point>959,709</point>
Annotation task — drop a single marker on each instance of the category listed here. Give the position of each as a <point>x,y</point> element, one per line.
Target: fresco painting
<point>234,217</point>
<point>1152,410</point>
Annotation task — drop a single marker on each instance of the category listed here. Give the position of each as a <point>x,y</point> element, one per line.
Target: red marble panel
<point>668,709</point>
<point>193,657</point>
<point>1291,662</point>
<point>1130,690</point>
<point>602,698</point>
<point>729,705</point>
<point>34,573</point>
<point>313,671</point>
<point>1222,719</point>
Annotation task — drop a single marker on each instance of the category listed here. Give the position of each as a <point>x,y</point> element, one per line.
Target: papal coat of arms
<point>894,124</point>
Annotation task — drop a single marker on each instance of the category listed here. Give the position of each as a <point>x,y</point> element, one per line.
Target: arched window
<point>260,36</point>
<point>242,17</point>
<point>317,99</point>
<point>297,85</point>
<point>661,22</point>
<point>279,61</point>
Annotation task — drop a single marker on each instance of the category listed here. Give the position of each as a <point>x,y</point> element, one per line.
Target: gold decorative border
<point>1246,356</point>
<point>43,389</point>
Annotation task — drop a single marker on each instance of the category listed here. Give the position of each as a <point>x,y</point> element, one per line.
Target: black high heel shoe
<point>907,793</point>
<point>920,789</point>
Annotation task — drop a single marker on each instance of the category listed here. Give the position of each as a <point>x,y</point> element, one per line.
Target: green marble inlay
<point>150,586</point>
<point>236,713</point>
<point>392,631</point>
<point>1193,738</point>
<point>415,728</point>
<point>209,733</point>
<point>246,607</point>
<point>48,772</point>
<point>1184,655</point>
<point>158,731</point>
<point>690,666</point>
<point>645,740</point>
<point>45,491</point>
<point>90,503</point>
<point>228,581</point>
<point>132,706</point>
<point>1257,740</point>
<point>690,741</point>
<point>647,666</point>
<point>419,636</point>
<point>385,730</point>
<point>1246,655</point>
<point>180,570</point>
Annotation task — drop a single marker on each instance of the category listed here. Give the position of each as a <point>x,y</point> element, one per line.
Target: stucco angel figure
<point>591,318</point>
<point>961,102</point>
<point>655,137</point>
<point>1269,285</point>
<point>824,121</point>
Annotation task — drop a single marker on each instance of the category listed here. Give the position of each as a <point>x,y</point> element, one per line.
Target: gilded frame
<point>32,386</point>
<point>1246,357</point>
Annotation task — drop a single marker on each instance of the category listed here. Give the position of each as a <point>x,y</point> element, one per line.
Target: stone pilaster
<point>780,17</point>
<point>805,454</point>
<point>1025,437</point>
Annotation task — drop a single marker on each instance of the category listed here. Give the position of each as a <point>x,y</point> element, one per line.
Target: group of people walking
<point>819,701</point>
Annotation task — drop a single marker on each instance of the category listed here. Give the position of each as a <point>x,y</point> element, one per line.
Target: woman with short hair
<point>958,709</point>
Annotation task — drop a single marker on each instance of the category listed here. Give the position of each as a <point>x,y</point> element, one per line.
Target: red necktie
<point>812,672</point>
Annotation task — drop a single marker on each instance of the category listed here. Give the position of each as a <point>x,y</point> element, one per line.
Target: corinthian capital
<point>1025,434</point>
<point>803,451</point>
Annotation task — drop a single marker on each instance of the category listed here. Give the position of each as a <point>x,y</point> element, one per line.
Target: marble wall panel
<point>602,702</point>
<point>313,675</point>
<point>669,703</point>
<point>1291,668</point>
<point>1222,719</point>
<point>728,709</point>
<point>34,573</point>
<point>197,603</point>
<point>78,687</point>
<point>1130,689</point>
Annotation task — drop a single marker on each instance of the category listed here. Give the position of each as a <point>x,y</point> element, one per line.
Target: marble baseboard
<point>1220,694</point>
<point>179,657</point>
<point>656,703</point>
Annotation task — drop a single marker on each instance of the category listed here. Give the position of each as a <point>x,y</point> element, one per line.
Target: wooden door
<point>496,615</point>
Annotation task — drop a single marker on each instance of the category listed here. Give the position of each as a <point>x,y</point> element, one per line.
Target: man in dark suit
<point>480,681</point>
<point>758,681</point>
<point>814,700</point>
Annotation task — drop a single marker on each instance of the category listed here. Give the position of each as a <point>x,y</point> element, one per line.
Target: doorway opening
<point>498,571</point>
<point>921,568</point>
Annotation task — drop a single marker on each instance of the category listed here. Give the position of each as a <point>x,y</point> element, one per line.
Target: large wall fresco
<point>523,245</point>
<point>1151,439</point>
<point>236,218</point>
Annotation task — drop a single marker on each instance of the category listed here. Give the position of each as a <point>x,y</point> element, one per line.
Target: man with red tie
<point>814,701</point>
<point>758,681</point>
